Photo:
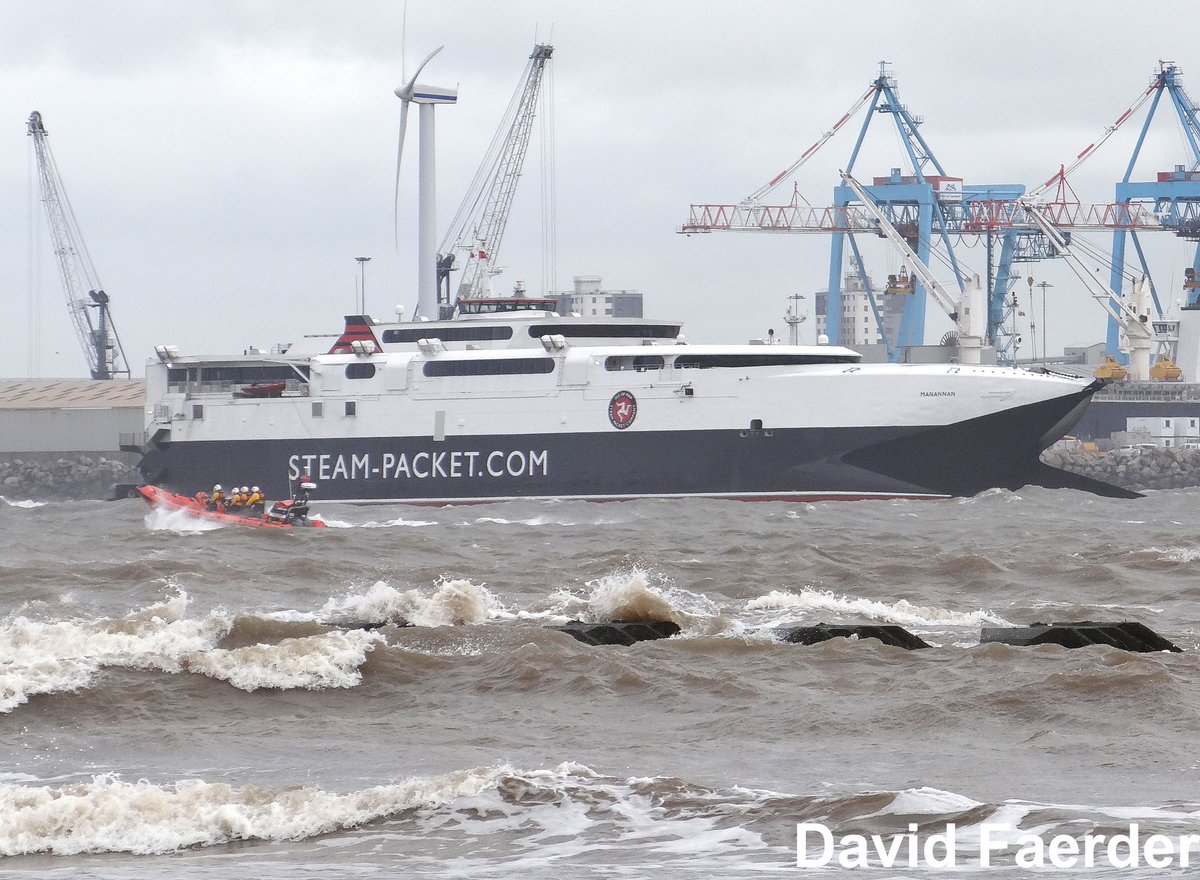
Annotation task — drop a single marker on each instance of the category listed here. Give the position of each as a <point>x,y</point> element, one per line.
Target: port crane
<point>1132,318</point>
<point>85,294</point>
<point>968,311</point>
<point>928,206</point>
<point>1174,196</point>
<point>477,229</point>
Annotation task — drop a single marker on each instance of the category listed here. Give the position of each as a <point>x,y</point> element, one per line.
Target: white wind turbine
<point>428,97</point>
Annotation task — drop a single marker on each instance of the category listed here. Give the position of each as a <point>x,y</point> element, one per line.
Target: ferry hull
<point>961,459</point>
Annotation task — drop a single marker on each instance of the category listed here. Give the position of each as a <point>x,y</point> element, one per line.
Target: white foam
<point>530,521</point>
<point>399,522</point>
<point>927,800</point>
<point>110,815</point>
<point>900,612</point>
<point>28,503</point>
<point>327,660</point>
<point>453,602</point>
<point>1176,554</point>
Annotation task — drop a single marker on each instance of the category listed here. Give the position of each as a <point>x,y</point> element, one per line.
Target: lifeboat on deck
<point>262,389</point>
<point>1111,370</point>
<point>1166,370</point>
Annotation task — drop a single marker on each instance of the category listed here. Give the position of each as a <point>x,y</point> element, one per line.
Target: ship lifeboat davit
<point>1111,370</point>
<point>900,284</point>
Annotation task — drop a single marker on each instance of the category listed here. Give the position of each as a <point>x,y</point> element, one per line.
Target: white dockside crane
<point>968,312</point>
<point>472,243</point>
<point>1133,317</point>
<point>85,293</point>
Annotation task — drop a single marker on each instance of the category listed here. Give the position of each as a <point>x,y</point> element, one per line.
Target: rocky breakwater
<point>67,477</point>
<point>1132,467</point>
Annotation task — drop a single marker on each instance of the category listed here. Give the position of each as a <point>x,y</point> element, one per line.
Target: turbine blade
<point>399,156</point>
<point>405,92</point>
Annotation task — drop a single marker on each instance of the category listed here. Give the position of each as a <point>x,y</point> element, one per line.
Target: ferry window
<point>610,331</point>
<point>448,334</point>
<point>351,407</point>
<point>708,361</point>
<point>197,411</point>
<point>634,362</point>
<point>756,424</point>
<point>176,375</point>
<point>245,375</point>
<point>318,409</point>
<point>360,371</point>
<point>497,367</point>
<point>504,304</point>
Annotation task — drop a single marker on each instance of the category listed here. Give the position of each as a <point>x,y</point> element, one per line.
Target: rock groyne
<point>65,477</point>
<point>1134,467</point>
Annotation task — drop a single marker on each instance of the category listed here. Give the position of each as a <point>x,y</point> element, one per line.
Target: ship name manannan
<point>421,465</point>
<point>937,393</point>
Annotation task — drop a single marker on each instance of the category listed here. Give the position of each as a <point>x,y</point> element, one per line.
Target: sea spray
<point>638,595</point>
<point>160,519</point>
<point>453,602</point>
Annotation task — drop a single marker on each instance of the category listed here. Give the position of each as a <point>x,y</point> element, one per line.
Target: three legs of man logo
<point>622,410</point>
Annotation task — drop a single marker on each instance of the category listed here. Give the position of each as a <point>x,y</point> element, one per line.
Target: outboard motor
<point>295,510</point>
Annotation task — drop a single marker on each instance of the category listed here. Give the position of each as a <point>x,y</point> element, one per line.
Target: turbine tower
<point>428,97</point>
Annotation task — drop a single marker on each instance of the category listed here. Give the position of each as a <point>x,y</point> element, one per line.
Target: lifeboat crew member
<point>235,500</point>
<point>216,501</point>
<point>255,502</point>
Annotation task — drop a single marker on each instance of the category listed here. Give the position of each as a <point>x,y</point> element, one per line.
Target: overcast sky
<point>228,160</point>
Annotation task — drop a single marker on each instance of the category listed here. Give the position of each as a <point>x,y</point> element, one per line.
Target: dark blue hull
<point>1104,417</point>
<point>803,464</point>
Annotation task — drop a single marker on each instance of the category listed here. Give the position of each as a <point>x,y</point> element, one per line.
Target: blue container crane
<point>1175,196</point>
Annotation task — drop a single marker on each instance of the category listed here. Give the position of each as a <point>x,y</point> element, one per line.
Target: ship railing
<point>1151,392</point>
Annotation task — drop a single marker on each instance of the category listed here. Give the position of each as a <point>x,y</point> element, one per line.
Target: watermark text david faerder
<point>990,843</point>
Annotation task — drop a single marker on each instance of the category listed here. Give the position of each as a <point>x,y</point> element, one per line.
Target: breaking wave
<point>504,818</point>
<point>46,657</point>
<point>901,612</point>
<point>108,814</point>
<point>41,657</point>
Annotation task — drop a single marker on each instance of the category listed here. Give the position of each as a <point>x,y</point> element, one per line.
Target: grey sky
<point>228,160</point>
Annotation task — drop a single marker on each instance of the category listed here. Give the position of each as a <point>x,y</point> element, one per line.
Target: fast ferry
<point>508,399</point>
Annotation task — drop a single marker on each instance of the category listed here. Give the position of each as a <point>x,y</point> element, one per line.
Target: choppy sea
<point>180,701</point>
